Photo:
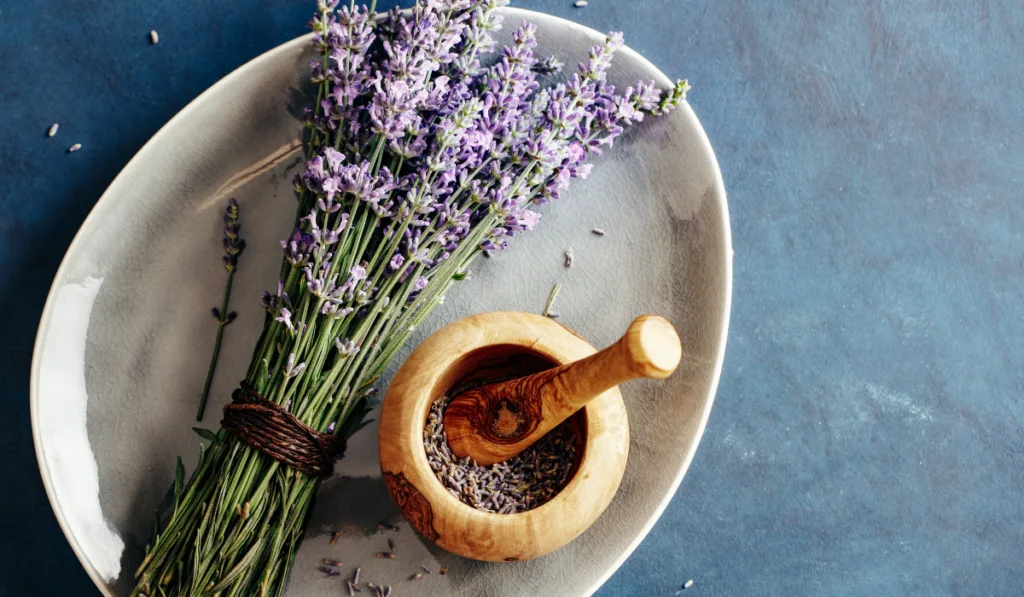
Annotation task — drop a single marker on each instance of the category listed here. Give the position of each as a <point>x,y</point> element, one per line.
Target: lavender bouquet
<point>426,148</point>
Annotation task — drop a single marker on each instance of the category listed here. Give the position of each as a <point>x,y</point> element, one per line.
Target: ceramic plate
<point>123,345</point>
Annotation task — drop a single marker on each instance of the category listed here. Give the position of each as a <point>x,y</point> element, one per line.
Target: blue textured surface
<point>868,436</point>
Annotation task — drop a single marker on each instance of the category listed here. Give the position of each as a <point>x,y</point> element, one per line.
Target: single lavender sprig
<point>233,247</point>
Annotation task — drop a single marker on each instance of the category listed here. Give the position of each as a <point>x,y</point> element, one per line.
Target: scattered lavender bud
<point>154,38</point>
<point>355,576</point>
<point>334,537</point>
<point>389,555</point>
<point>426,569</point>
<point>688,584</point>
<point>329,572</point>
<point>351,590</point>
<point>580,3</point>
<point>416,576</point>
<point>598,232</point>
<point>330,562</point>
<point>554,314</point>
<point>569,258</point>
<point>52,130</point>
<point>391,544</point>
<point>74,148</point>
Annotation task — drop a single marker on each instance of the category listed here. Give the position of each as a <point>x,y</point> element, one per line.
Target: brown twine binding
<point>279,434</point>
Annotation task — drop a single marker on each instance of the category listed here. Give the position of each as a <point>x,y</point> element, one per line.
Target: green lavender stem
<point>221,323</point>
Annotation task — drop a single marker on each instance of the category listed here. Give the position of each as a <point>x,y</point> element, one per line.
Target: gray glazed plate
<point>124,340</point>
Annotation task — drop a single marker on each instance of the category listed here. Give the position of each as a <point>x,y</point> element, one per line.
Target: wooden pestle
<point>494,422</point>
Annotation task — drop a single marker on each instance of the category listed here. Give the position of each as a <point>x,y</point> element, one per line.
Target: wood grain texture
<point>495,422</point>
<point>497,343</point>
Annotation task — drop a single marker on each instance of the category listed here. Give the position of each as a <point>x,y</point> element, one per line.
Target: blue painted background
<point>868,437</point>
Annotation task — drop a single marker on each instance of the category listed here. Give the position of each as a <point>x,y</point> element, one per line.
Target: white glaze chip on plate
<point>123,345</point>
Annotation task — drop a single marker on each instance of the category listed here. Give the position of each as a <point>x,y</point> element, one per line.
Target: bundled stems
<point>420,158</point>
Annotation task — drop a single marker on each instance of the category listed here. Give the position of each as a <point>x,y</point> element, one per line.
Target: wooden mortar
<point>487,347</point>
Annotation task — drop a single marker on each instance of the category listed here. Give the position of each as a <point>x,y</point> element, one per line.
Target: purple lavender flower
<point>233,243</point>
<point>297,249</point>
<point>345,346</point>
<point>291,369</point>
<point>285,317</point>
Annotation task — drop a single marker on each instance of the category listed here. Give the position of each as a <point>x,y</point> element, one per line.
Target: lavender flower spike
<point>233,243</point>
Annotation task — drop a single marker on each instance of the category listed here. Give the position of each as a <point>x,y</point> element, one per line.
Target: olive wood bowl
<point>481,348</point>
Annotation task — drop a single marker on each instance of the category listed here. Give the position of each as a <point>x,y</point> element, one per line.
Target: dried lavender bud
<point>389,555</point>
<point>688,584</point>
<point>74,148</point>
<point>569,258</point>
<point>52,130</point>
<point>355,575</point>
<point>351,590</point>
<point>598,232</point>
<point>416,576</point>
<point>331,562</point>
<point>334,537</point>
<point>580,3</point>
<point>153,37</point>
<point>426,569</point>
<point>519,484</point>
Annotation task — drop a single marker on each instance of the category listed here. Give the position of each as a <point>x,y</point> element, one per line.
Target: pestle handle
<point>497,421</point>
<point>649,348</point>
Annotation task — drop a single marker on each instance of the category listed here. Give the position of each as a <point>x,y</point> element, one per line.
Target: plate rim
<point>225,81</point>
